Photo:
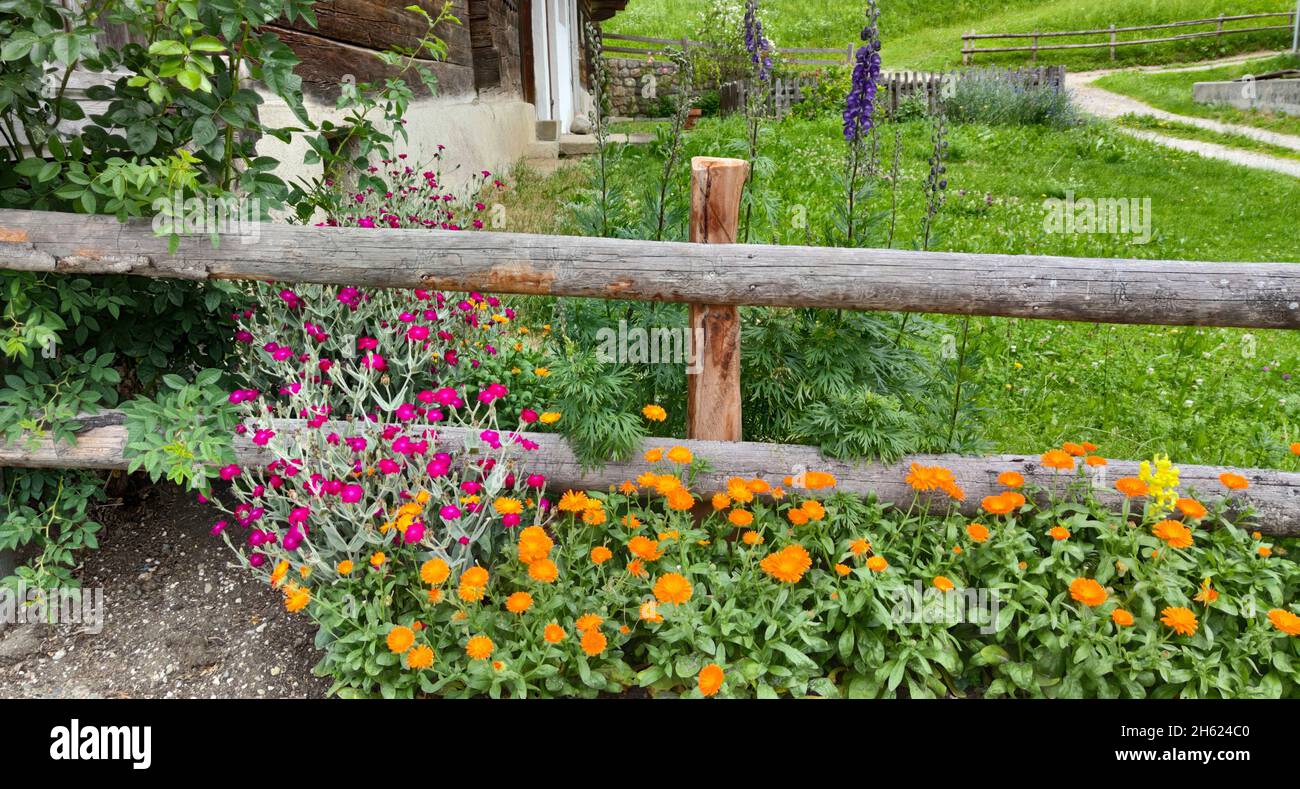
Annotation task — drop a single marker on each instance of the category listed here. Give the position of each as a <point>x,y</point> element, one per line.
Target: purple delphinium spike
<point>760,48</point>
<point>860,106</point>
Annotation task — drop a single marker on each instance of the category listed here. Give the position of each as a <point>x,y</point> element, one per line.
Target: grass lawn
<point>1187,131</point>
<point>1173,92</point>
<point>923,34</point>
<point>1202,395</point>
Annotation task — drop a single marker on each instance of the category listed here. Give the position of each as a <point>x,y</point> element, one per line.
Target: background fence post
<point>1218,34</point>
<point>713,393</point>
<point>1112,40</point>
<point>966,56</point>
<point>1035,58</point>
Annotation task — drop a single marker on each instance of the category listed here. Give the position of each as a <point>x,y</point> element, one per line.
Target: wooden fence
<point>895,87</point>
<point>651,46</point>
<point>707,275</point>
<point>1113,40</point>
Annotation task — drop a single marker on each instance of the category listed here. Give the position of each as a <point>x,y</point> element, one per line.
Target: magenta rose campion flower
<point>352,494</point>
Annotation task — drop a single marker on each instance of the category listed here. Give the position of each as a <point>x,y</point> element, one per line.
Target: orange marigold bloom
<point>593,516</point>
<point>653,455</point>
<point>377,559</point>
<point>877,564</point>
<point>1191,508</point>
<point>1181,620</point>
<point>470,594</point>
<point>977,532</point>
<point>474,576</point>
<point>752,538</point>
<point>1088,446</point>
<point>1095,461</point>
<point>505,505</point>
<point>859,547</point>
<point>594,642</point>
<point>650,612</point>
<point>635,567</point>
<point>479,648</point>
<point>1088,592</point>
<point>573,501</point>
<point>600,554</point>
<point>1059,532</point>
<point>721,501</point>
<point>278,574</point>
<point>738,491</point>
<point>1265,551</point>
<point>435,595</point>
<point>1295,450</point>
<point>644,548</point>
<point>400,639</point>
<point>1234,481</point>
<point>681,500</point>
<point>710,679</point>
<point>1057,459</point>
<point>741,517</point>
<point>297,599</point>
<point>797,516</point>
<point>672,588</point>
<point>434,572</point>
<point>1208,593</point>
<point>1285,621</point>
<point>681,455</point>
<point>843,569</point>
<point>1131,487</point>
<point>1000,504</point>
<point>813,509</point>
<point>589,622</point>
<point>553,633</point>
<point>627,488</point>
<point>1175,534</point>
<point>788,564</point>
<point>344,567</point>
<point>1073,449</point>
<point>921,478</point>
<point>1012,479</point>
<point>543,570</point>
<point>758,486</point>
<point>519,602</point>
<point>534,544</point>
<point>655,413</point>
<point>1121,617</point>
<point>647,479</point>
<point>817,480</point>
<point>419,658</point>
<point>943,584</point>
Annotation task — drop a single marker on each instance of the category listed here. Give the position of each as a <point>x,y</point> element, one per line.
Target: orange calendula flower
<point>680,500</point>
<point>600,554</point>
<point>549,417</point>
<point>818,480</point>
<point>741,517</point>
<point>1057,459</point>
<point>377,559</point>
<point>400,639</point>
<point>588,622</point>
<point>479,648</point>
<point>1295,450</point>
<point>797,516</point>
<point>474,576</point>
<point>435,595</point>
<point>1181,620</point>
<point>434,572</point>
<point>859,547</point>
<point>508,506</point>
<point>278,574</point>
<point>650,612</point>
<point>943,583</point>
<point>1088,592</point>
<point>721,501</point>
<point>344,567</point>
<point>543,570</point>
<point>843,569</point>
<point>680,454</point>
<point>654,413</point>
<point>644,548</point>
<point>1095,461</point>
<point>738,491</point>
<point>573,501</point>
<point>1011,479</point>
<point>296,599</point>
<point>1001,504</point>
<point>1073,449</point>
<point>1175,534</point>
<point>1285,621</point>
<point>877,564</point>
<point>1121,617</point>
<point>672,588</point>
<point>470,594</point>
<point>813,509</point>
<point>1059,532</point>
<point>1131,487</point>
<point>519,602</point>
<point>710,679</point>
<point>752,538</point>
<point>1265,551</point>
<point>593,642</point>
<point>419,658</point>
<point>593,516</point>
<point>553,633</point>
<point>758,486</point>
<point>788,564</point>
<point>1191,508</point>
<point>977,532</point>
<point>1234,481</point>
<point>1088,446</point>
<point>653,455</point>
<point>1208,594</point>
<point>627,488</point>
<point>637,568</point>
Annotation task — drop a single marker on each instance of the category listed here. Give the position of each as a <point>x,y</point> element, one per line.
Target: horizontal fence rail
<point>656,46</point>
<point>1275,495</point>
<point>1156,292</point>
<point>969,51</point>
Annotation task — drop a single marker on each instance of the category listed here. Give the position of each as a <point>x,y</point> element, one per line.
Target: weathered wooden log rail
<point>1250,295</point>
<point>1162,292</point>
<point>1275,495</point>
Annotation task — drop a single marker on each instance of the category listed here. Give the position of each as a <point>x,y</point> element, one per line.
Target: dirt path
<point>1105,104</point>
<point>179,621</point>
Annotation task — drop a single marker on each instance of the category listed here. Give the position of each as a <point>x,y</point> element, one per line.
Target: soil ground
<point>180,621</point>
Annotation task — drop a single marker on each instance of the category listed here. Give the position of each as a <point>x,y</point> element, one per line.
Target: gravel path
<point>179,621</point>
<point>1105,104</point>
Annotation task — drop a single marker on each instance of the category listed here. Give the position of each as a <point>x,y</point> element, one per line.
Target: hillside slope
<point>927,33</point>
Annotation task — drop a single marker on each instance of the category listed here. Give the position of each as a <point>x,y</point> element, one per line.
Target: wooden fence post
<point>1218,33</point>
<point>966,56</point>
<point>1035,59</point>
<point>1112,40</point>
<point>713,393</point>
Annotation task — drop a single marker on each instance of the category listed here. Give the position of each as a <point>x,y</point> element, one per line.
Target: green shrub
<point>998,98</point>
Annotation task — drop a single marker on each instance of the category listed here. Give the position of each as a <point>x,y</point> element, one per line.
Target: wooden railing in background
<point>657,46</point>
<point>1251,295</point>
<point>968,50</point>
